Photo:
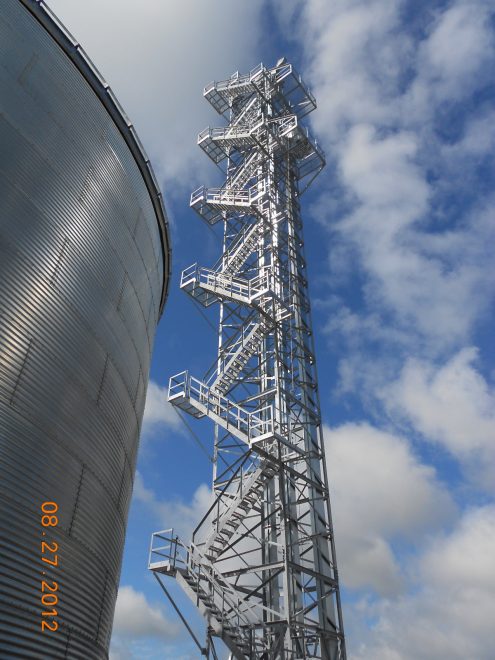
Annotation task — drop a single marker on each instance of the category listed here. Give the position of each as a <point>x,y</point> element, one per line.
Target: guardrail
<point>206,578</point>
<point>164,551</point>
<point>252,425</point>
<point>229,196</point>
<point>216,280</point>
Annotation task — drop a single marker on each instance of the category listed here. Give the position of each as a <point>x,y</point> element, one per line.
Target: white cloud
<point>421,277</point>
<point>119,651</point>
<point>455,57</point>
<point>451,616</point>
<point>159,414</point>
<point>381,90</point>
<point>466,553</point>
<point>381,493</point>
<point>351,47</point>
<point>478,139</point>
<point>157,56</point>
<point>382,174</point>
<point>136,618</point>
<point>174,513</point>
<point>452,405</point>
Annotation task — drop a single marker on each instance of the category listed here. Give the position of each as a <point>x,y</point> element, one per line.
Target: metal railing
<point>252,425</point>
<point>235,485</point>
<point>198,568</point>
<point>247,484</point>
<point>247,238</point>
<point>238,354</point>
<point>164,554</point>
<point>226,89</point>
<point>247,114</point>
<point>285,125</point>
<point>230,132</point>
<point>190,560</point>
<point>244,173</point>
<point>228,196</point>
<point>216,281</point>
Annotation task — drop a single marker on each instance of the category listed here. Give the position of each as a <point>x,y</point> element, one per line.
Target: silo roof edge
<point>76,53</point>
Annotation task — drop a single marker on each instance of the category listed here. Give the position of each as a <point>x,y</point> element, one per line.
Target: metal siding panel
<point>82,267</point>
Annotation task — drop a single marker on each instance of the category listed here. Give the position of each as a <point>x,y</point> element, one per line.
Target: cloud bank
<point>158,60</point>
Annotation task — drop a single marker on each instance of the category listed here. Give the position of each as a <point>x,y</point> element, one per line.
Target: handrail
<point>226,89</point>
<point>218,498</point>
<point>251,424</point>
<point>170,555</point>
<point>240,343</point>
<point>177,549</point>
<point>196,560</point>
<point>222,589</point>
<point>241,196</point>
<point>245,170</point>
<point>247,232</point>
<point>197,195</point>
<point>231,131</point>
<point>190,558</point>
<point>244,488</point>
<point>312,141</point>
<point>218,280</point>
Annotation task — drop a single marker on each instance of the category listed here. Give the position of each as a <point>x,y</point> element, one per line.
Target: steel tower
<point>261,563</point>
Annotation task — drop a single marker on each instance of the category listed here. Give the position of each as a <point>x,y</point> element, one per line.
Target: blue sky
<point>399,238</point>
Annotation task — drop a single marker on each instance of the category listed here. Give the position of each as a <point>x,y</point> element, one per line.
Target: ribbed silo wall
<point>84,265</point>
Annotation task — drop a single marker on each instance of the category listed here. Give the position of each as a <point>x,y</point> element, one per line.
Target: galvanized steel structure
<point>84,269</point>
<point>261,564</point>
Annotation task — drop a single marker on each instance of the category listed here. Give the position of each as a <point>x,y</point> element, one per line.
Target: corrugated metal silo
<point>84,267</point>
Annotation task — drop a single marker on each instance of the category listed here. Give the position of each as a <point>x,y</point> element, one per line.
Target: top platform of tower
<point>221,95</point>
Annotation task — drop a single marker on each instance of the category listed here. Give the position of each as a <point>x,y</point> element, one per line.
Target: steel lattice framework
<point>261,564</point>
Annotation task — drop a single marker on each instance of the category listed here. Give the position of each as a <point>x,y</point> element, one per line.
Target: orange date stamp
<point>49,556</point>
